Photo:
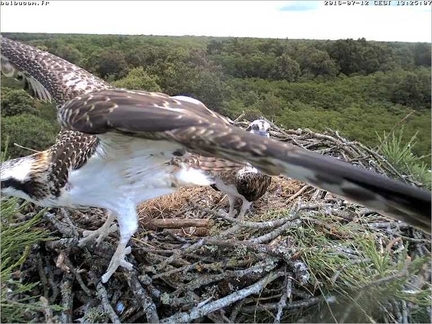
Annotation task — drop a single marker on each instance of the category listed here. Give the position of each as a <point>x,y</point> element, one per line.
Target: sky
<point>268,19</point>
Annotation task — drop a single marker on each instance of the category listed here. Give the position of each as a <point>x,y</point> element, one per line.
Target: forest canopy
<point>358,87</point>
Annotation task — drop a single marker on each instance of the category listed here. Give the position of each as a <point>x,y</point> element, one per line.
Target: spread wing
<point>160,117</point>
<point>47,76</point>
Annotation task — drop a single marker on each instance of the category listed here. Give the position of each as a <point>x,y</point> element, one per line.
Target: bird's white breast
<point>128,171</point>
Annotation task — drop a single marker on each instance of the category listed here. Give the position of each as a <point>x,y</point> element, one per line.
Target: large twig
<point>46,310</point>
<point>103,296</point>
<point>139,292</point>
<point>274,306</point>
<point>67,299</point>
<point>287,286</point>
<point>179,223</point>
<point>198,312</point>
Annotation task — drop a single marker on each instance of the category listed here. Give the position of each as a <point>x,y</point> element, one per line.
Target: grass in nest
<point>400,155</point>
<point>17,238</point>
<point>362,279</point>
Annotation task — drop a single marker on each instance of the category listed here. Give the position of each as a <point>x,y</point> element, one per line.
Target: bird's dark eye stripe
<point>18,185</point>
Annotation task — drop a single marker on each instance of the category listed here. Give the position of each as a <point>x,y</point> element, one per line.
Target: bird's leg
<point>128,225</point>
<point>231,212</point>
<point>101,232</point>
<point>244,208</point>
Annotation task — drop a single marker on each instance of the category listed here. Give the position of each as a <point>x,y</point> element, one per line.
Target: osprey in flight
<point>118,148</point>
<point>244,182</point>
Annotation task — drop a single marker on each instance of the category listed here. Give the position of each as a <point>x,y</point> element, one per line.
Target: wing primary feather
<point>48,75</point>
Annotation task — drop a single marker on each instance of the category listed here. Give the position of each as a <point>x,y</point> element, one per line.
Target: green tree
<point>16,102</point>
<point>138,79</point>
<point>69,53</point>
<point>29,131</point>
<point>320,63</point>
<point>413,90</point>
<point>422,54</point>
<point>286,69</point>
<point>108,62</point>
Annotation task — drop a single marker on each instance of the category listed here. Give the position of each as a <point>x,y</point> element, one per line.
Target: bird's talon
<point>126,264</point>
<point>87,233</point>
<point>112,228</point>
<point>222,212</point>
<point>97,235</point>
<point>225,214</point>
<point>118,260</point>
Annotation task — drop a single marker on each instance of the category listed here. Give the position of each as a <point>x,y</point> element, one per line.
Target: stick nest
<point>301,255</point>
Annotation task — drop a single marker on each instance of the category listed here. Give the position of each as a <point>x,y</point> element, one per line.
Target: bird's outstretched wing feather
<point>48,76</point>
<point>160,117</point>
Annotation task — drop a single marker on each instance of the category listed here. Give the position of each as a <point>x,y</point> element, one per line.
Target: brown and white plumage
<point>244,182</point>
<point>118,148</point>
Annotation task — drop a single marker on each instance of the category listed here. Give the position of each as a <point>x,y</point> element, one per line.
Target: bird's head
<point>259,127</point>
<point>17,177</point>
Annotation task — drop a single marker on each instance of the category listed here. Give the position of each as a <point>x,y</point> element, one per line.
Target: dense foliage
<point>361,88</point>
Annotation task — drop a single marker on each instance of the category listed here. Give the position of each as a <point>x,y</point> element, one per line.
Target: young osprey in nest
<point>245,182</point>
<point>118,148</point>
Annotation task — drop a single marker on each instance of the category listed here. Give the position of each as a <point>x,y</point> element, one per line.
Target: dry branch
<point>146,302</point>
<point>103,296</point>
<point>198,312</point>
<point>178,223</point>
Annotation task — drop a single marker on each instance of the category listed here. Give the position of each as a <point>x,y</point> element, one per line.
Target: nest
<point>301,255</point>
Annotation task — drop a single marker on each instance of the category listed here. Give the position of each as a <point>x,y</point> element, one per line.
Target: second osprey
<point>245,182</point>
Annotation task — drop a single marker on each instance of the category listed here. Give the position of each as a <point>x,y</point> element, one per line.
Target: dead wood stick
<point>67,299</point>
<point>267,307</point>
<point>285,295</point>
<point>205,279</point>
<point>239,117</point>
<point>66,216</point>
<point>390,224</point>
<point>103,296</point>
<point>275,233</point>
<point>141,294</point>
<point>257,248</point>
<point>26,148</point>
<point>236,310</point>
<point>185,269</point>
<point>54,285</point>
<point>177,254</point>
<point>148,282</point>
<point>179,223</point>
<point>298,193</point>
<point>229,232</point>
<point>77,275</point>
<point>294,221</point>
<point>63,228</point>
<point>42,275</point>
<point>189,231</point>
<point>46,310</point>
<point>134,317</point>
<point>198,312</point>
